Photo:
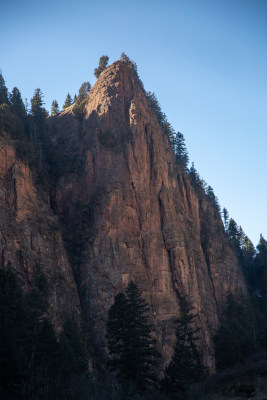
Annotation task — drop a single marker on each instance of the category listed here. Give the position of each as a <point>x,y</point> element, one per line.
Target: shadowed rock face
<point>130,214</point>
<point>29,236</point>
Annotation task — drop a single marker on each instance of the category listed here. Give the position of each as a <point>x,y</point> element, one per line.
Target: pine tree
<point>232,232</point>
<point>213,199</point>
<point>261,264</point>
<point>17,105</point>
<point>79,104</point>
<point>37,103</point>
<point>68,102</point>
<point>132,349</point>
<point>3,91</point>
<point>129,62</point>
<point>238,335</point>
<point>185,366</point>
<point>54,108</point>
<point>194,177</point>
<point>225,218</point>
<point>181,154</point>
<point>103,62</point>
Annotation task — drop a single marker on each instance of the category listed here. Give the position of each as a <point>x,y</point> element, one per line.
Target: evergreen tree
<point>75,98</point>
<point>38,127</point>
<point>68,102</point>
<point>37,103</point>
<point>260,265</point>
<point>133,354</point>
<point>79,104</point>
<point>225,218</point>
<point>181,154</point>
<point>54,108</point>
<point>185,366</point>
<point>233,234</point>
<point>14,318</point>
<point>213,199</point>
<point>103,62</point>
<point>3,91</point>
<point>129,62</point>
<point>194,177</point>
<point>17,105</point>
<point>240,333</point>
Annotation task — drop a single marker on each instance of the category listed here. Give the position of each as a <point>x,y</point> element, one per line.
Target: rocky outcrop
<point>30,239</point>
<point>130,214</point>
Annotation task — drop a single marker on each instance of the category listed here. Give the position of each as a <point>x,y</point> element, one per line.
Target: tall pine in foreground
<point>185,366</point>
<point>132,349</point>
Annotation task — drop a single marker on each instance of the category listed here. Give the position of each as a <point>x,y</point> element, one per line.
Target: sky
<point>206,60</point>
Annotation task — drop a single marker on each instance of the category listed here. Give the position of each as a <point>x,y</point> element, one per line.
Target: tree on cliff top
<point>54,108</point>
<point>3,91</point>
<point>68,102</point>
<point>132,349</point>
<point>17,105</point>
<point>79,104</point>
<point>181,153</point>
<point>103,62</point>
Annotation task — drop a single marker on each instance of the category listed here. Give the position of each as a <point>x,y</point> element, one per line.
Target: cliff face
<point>29,237</point>
<point>129,214</point>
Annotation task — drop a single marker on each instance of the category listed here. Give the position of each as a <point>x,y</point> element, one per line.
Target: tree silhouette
<point>68,102</point>
<point>181,154</point>
<point>185,366</point>
<point>54,108</point>
<point>132,349</point>
<point>103,62</point>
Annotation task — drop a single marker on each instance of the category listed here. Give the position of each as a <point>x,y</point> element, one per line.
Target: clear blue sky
<point>205,60</point>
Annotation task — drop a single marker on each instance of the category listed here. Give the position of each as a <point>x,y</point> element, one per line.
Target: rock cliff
<point>29,237</point>
<point>128,213</point>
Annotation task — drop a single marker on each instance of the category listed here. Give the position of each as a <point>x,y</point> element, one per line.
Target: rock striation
<point>129,213</point>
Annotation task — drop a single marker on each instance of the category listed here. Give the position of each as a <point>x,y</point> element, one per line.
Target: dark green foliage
<point>16,103</point>
<point>225,216</point>
<point>3,91</point>
<point>233,234</point>
<point>181,154</point>
<point>212,198</point>
<point>37,109</point>
<point>261,257</point>
<point>260,270</point>
<point>68,102</point>
<point>38,129</point>
<point>54,108</point>
<point>240,334</point>
<point>78,109</point>
<point>195,179</point>
<point>10,123</point>
<point>132,349</point>
<point>162,119</point>
<point>16,127</point>
<point>33,362</point>
<point>185,366</point>
<point>103,62</point>
<point>129,62</point>
<point>14,318</point>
